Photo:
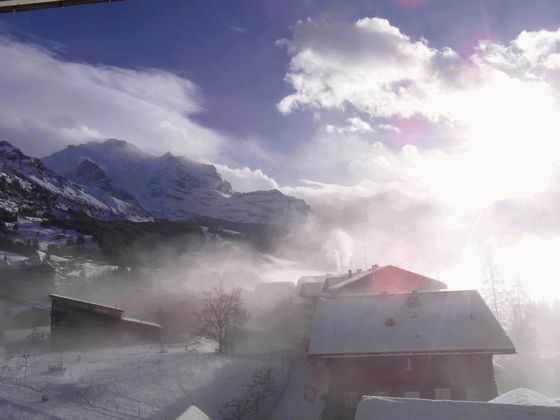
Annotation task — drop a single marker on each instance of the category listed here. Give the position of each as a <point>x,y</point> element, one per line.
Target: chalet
<point>432,345</point>
<point>76,322</point>
<point>377,280</point>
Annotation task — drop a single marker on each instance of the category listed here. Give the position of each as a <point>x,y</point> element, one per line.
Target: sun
<point>511,144</point>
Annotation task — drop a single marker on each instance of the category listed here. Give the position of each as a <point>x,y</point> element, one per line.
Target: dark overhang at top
<point>10,6</point>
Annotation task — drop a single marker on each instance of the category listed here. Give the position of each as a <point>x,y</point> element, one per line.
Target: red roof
<point>386,279</point>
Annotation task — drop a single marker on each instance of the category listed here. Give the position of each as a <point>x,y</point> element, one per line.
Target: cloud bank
<point>468,160</point>
<point>48,102</point>
<point>421,157</point>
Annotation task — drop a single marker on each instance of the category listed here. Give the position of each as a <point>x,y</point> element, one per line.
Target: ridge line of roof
<point>415,353</point>
<point>361,274</point>
<point>379,295</point>
<point>52,295</point>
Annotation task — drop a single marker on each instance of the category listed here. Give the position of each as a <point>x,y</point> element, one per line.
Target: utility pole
<point>25,357</point>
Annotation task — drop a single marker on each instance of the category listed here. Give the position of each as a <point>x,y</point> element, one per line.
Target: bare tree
<point>221,316</point>
<point>521,319</point>
<point>249,406</point>
<point>496,290</point>
<point>238,409</point>
<point>262,386</point>
<point>510,304</point>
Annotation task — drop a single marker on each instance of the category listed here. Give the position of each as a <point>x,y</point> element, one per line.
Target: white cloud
<point>492,173</point>
<point>237,29</point>
<point>501,103</point>
<point>370,65</point>
<point>246,179</point>
<point>353,125</point>
<point>48,102</point>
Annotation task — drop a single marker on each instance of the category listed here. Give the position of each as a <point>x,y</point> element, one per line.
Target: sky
<point>423,133</point>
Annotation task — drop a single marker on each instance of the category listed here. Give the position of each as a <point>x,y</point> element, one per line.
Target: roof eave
<point>410,353</point>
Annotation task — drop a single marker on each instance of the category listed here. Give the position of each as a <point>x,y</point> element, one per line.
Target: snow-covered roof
<point>418,323</point>
<point>193,413</point>
<point>340,284</point>
<point>311,289</point>
<point>524,396</point>
<point>139,322</point>
<point>388,408</point>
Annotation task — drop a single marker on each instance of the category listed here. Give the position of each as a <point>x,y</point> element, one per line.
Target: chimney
<point>349,273</point>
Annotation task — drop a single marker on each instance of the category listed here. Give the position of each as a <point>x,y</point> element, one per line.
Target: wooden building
<point>433,345</point>
<point>376,280</point>
<point>76,323</point>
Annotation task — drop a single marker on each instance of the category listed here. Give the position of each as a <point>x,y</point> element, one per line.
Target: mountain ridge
<point>169,186</point>
<point>27,184</point>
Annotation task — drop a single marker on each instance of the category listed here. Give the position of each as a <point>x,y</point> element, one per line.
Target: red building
<point>76,322</point>
<point>433,345</point>
<point>378,280</point>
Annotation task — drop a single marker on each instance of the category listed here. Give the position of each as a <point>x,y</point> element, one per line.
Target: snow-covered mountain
<point>169,186</point>
<point>26,184</point>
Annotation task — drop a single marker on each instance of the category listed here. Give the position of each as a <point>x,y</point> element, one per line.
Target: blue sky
<point>424,130</point>
<point>228,47</point>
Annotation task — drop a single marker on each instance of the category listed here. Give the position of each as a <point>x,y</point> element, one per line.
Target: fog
<point>410,147</point>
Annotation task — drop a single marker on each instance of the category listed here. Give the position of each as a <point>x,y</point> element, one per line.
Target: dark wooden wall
<point>467,377</point>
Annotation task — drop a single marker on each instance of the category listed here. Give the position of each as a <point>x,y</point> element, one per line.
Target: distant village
<point>381,332</point>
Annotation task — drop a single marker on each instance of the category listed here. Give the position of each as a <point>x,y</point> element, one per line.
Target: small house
<point>76,322</point>
<point>432,345</point>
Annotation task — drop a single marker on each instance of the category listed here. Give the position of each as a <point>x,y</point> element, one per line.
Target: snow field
<point>121,383</point>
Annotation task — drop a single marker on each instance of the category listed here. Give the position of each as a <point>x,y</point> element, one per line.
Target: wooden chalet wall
<point>76,323</point>
<point>455,377</point>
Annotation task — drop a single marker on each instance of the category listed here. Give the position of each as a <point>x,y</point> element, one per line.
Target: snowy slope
<point>120,383</point>
<point>168,186</point>
<point>25,183</point>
